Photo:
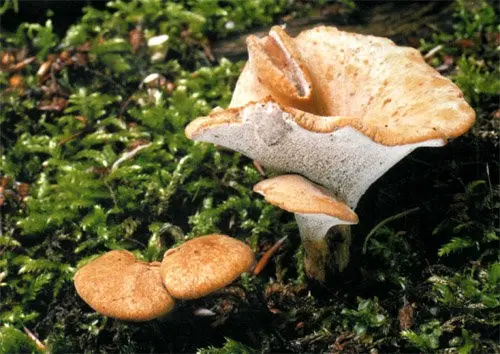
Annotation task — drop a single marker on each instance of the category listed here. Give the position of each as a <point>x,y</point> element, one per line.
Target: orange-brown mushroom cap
<point>296,194</point>
<point>119,286</point>
<point>387,92</point>
<point>316,210</point>
<point>203,265</point>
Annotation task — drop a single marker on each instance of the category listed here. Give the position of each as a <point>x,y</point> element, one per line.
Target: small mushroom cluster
<point>339,109</point>
<point>120,286</point>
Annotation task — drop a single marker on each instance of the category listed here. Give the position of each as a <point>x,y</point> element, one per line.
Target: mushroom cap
<point>387,92</point>
<point>344,161</point>
<point>203,265</point>
<point>296,194</point>
<point>119,286</point>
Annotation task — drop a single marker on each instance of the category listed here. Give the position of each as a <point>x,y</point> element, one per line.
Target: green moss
<point>15,341</point>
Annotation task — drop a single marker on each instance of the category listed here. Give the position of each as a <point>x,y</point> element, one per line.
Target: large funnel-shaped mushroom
<point>316,211</point>
<point>355,106</point>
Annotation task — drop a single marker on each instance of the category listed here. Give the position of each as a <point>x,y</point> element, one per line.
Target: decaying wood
<point>393,19</point>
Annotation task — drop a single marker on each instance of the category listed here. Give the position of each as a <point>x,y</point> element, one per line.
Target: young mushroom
<point>203,265</point>
<point>337,108</point>
<point>119,286</point>
<point>316,211</point>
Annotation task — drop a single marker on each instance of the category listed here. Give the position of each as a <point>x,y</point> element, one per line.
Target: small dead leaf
<point>259,168</point>
<point>21,54</point>
<point>448,60</point>
<point>4,181</point>
<point>207,50</point>
<point>56,104</point>
<point>465,43</point>
<point>81,119</point>
<point>136,143</point>
<point>85,47</point>
<point>170,87</point>
<point>406,316</point>
<point>79,59</point>
<point>447,63</point>
<point>64,56</point>
<point>7,59</point>
<point>21,65</point>
<point>342,343</point>
<point>299,325</point>
<point>99,170</point>
<point>23,189</point>
<point>44,68</point>
<point>16,82</point>
<point>413,42</point>
<point>136,39</point>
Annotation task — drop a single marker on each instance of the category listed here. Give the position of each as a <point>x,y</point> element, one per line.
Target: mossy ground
<point>428,280</point>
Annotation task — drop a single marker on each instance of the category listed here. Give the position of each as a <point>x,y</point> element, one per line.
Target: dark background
<point>65,12</point>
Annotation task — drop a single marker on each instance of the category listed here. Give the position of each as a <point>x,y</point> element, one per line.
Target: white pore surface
<point>314,227</point>
<point>344,161</point>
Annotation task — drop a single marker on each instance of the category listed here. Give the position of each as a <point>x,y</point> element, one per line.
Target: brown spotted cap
<point>296,194</point>
<point>327,79</point>
<point>203,265</point>
<point>119,286</point>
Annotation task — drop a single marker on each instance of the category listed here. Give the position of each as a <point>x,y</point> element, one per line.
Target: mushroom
<point>338,108</point>
<point>316,211</point>
<point>158,46</point>
<point>203,265</point>
<point>117,285</point>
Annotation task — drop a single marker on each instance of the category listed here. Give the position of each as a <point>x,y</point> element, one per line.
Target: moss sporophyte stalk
<point>95,160</point>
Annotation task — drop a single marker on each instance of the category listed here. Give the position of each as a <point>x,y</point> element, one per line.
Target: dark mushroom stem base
<point>327,255</point>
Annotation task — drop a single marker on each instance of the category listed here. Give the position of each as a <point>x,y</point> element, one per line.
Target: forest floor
<point>73,185</point>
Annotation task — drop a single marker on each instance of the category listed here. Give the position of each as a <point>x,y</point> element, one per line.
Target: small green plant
<point>230,347</point>
<point>15,341</point>
<point>368,321</point>
<point>427,337</point>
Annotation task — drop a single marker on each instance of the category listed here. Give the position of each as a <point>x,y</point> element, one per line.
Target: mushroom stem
<point>326,242</point>
<point>320,217</point>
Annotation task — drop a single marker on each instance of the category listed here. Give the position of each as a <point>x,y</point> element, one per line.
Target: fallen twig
<point>259,168</point>
<point>433,51</point>
<point>128,155</point>
<point>267,256</point>
<point>34,338</point>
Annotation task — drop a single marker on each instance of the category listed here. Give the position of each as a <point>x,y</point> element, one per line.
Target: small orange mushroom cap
<point>203,265</point>
<point>296,194</point>
<point>119,286</point>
